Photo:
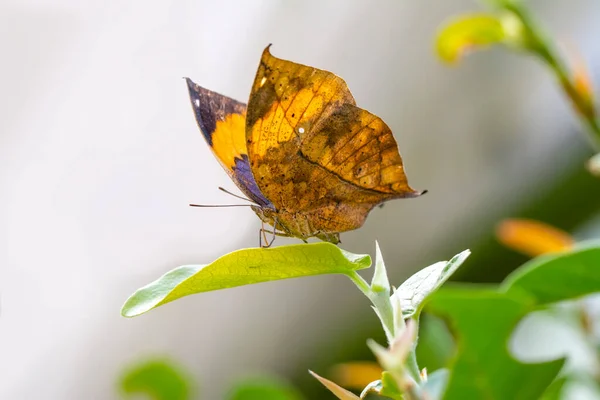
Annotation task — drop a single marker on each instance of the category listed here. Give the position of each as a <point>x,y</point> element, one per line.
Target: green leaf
<point>263,388</point>
<point>159,379</point>
<point>436,344</point>
<point>389,387</point>
<point>244,267</point>
<point>474,31</point>
<point>483,321</point>
<point>554,391</point>
<point>557,277</point>
<point>435,384</point>
<point>415,289</point>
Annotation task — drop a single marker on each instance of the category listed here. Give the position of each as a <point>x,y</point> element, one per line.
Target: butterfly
<point>313,163</point>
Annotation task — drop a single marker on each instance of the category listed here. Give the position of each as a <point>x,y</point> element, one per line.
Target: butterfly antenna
<point>235,195</point>
<point>220,205</point>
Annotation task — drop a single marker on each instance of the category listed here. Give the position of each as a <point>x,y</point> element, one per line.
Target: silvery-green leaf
<point>415,289</point>
<point>373,387</point>
<point>380,282</point>
<point>436,383</point>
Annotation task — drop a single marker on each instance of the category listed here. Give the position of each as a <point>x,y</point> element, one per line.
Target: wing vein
<point>350,139</point>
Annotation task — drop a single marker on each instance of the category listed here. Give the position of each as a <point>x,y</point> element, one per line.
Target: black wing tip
<point>415,193</point>
<point>190,83</point>
<point>267,50</point>
<point>205,117</point>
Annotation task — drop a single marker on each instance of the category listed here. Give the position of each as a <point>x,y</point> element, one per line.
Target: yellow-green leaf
<point>466,33</point>
<point>244,267</point>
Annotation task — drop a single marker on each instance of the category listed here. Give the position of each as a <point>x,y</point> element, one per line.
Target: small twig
<point>541,47</point>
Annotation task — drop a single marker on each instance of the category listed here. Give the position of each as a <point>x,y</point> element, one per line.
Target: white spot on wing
<point>262,81</point>
<point>197,102</point>
<point>301,130</point>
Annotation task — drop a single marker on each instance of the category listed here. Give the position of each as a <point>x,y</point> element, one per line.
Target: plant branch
<point>382,306</point>
<point>541,47</point>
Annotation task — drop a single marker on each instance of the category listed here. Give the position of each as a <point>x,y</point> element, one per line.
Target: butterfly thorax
<point>295,224</point>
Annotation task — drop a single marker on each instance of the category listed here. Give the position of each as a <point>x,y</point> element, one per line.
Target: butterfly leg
<point>262,236</point>
<point>274,232</point>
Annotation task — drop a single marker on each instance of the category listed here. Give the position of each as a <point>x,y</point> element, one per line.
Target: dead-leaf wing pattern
<point>310,146</point>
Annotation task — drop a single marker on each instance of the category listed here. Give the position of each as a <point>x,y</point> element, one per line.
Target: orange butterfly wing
<point>222,121</point>
<point>322,161</point>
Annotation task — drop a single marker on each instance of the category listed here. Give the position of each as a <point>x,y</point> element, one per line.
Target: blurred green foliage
<point>263,388</point>
<point>159,379</point>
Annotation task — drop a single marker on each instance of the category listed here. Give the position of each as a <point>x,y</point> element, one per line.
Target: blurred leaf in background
<point>483,368</point>
<point>484,319</point>
<point>557,277</point>
<point>356,375</point>
<point>531,237</point>
<point>436,344</point>
<point>263,388</point>
<point>162,379</point>
<point>467,33</point>
<point>159,379</point>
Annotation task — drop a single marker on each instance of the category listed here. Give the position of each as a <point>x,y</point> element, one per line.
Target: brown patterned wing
<point>313,151</point>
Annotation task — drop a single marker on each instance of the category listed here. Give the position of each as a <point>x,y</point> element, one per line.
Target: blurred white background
<point>100,155</point>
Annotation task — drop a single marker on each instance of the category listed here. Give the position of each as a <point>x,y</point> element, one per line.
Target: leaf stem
<point>358,280</point>
<point>412,366</point>
<point>382,304</point>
